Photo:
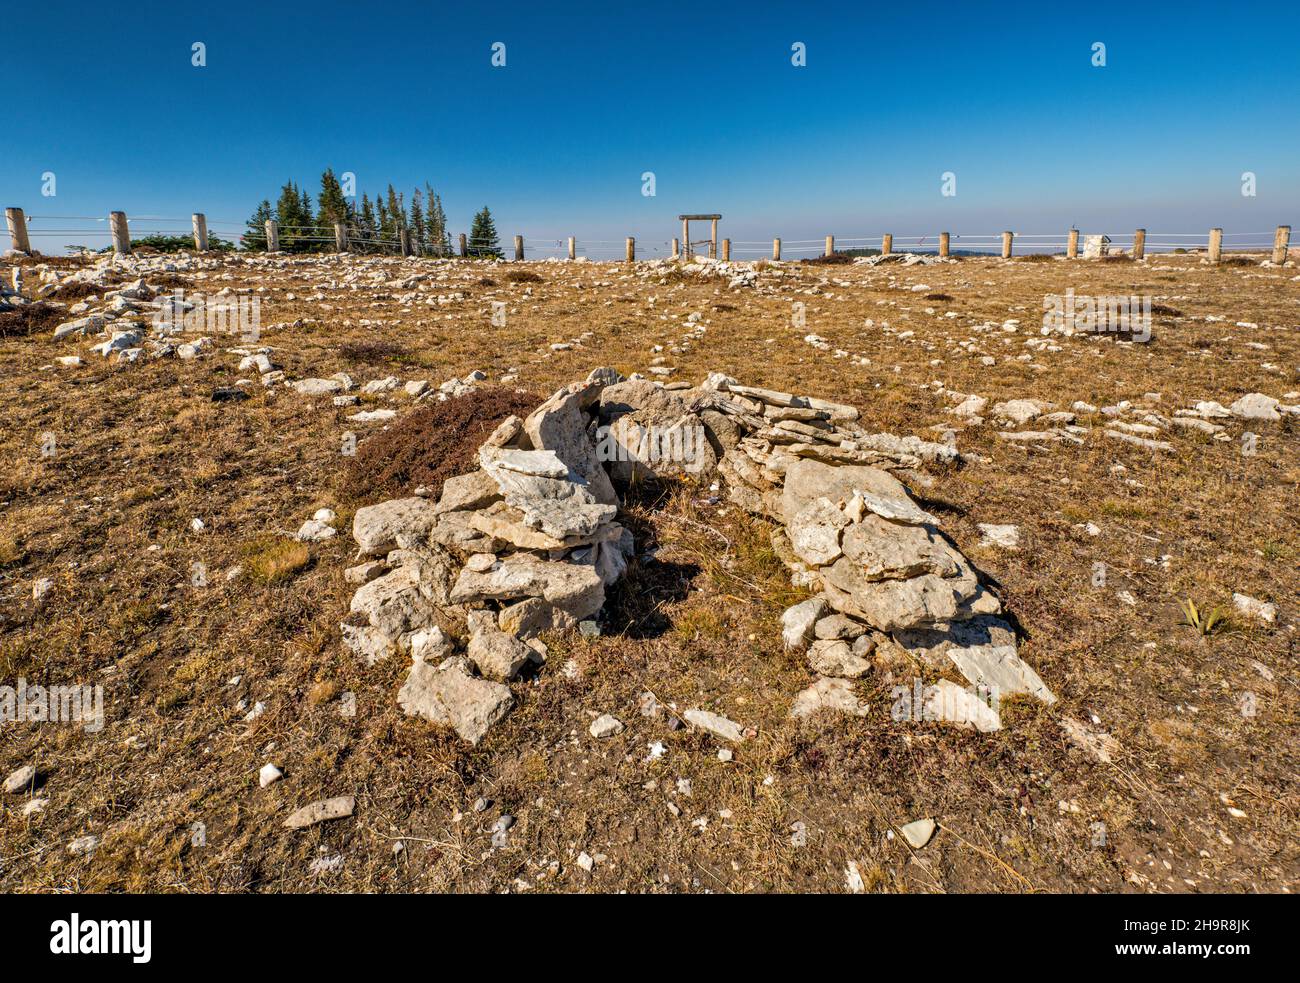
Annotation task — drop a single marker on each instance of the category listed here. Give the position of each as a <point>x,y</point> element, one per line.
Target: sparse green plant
<point>1204,622</point>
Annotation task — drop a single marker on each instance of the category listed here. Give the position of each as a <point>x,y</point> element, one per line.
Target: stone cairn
<point>529,542</point>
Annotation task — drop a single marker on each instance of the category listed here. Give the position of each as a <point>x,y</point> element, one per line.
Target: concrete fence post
<point>573,247</point>
<point>464,244</point>
<point>340,237</point>
<point>713,240</point>
<point>1281,243</point>
<point>200,223</point>
<point>677,249</point>
<point>1007,239</point>
<point>17,230</point>
<point>887,244</point>
<point>726,250</point>
<point>631,249</point>
<point>1072,250</point>
<point>830,245</point>
<point>686,239</point>
<point>1216,245</point>
<point>272,236</point>
<point>519,249</point>
<point>1139,243</point>
<point>120,231</point>
<point>776,249</point>
<point>943,245</point>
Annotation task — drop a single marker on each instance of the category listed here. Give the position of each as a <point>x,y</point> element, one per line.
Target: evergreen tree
<point>483,236</point>
<point>418,234</point>
<point>436,220</point>
<point>366,224</point>
<point>333,206</point>
<point>288,212</point>
<point>255,236</point>
<point>396,212</point>
<point>286,209</point>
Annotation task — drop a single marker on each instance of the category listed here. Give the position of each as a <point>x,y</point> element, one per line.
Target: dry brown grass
<point>143,450</point>
<point>274,561</point>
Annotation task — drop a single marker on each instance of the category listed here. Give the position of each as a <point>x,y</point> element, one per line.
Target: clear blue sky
<point>702,94</point>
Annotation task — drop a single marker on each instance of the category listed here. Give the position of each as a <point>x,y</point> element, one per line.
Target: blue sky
<point>704,95</point>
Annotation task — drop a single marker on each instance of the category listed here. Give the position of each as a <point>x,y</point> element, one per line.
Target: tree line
<point>372,226</point>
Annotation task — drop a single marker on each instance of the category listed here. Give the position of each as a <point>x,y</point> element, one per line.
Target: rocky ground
<point>767,672</point>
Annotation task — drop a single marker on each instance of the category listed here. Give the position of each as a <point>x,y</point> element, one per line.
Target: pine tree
<point>483,236</point>
<point>333,206</point>
<point>396,210</point>
<point>418,234</point>
<point>436,219</point>
<point>307,221</point>
<point>255,236</point>
<point>288,212</point>
<point>366,224</point>
<point>286,208</point>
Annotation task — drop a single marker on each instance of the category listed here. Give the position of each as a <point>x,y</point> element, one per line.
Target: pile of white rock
<point>883,573</point>
<point>526,543</point>
<point>530,540</point>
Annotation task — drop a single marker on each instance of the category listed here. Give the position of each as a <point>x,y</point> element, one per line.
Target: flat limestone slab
<point>984,651</point>
<point>339,807</point>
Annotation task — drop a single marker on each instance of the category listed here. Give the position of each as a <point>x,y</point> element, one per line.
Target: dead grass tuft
<point>274,560</point>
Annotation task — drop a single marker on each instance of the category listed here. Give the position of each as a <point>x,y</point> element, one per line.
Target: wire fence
<point>95,232</point>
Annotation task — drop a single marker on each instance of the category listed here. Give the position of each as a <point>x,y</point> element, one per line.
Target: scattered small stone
<point>605,725</point>
<point>718,726</point>
<point>1253,608</point>
<point>20,779</point>
<point>268,775</point>
<point>501,830</point>
<point>83,846</point>
<point>853,878</point>
<point>918,832</point>
<point>1003,536</point>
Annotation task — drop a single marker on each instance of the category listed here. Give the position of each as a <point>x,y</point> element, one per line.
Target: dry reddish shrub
<point>431,444</point>
<point>830,259</point>
<point>31,319</point>
<point>373,352</point>
<point>523,276</point>
<point>77,290</point>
